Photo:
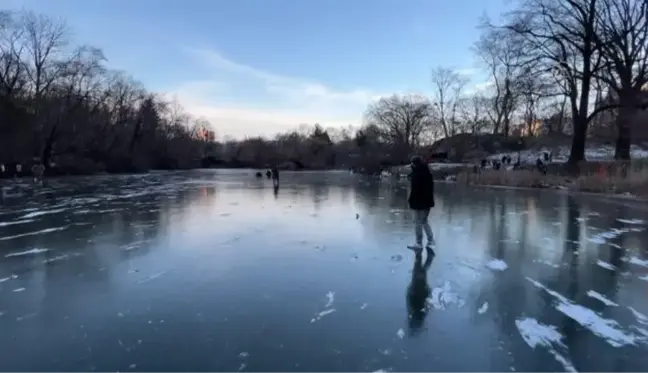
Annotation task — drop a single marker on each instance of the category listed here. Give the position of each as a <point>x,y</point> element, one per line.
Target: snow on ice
<point>497,265</point>
<point>536,334</point>
<point>600,297</point>
<point>607,329</point>
<point>606,265</point>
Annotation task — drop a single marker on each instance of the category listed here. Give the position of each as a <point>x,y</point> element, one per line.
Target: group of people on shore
<point>496,164</point>
<point>37,171</point>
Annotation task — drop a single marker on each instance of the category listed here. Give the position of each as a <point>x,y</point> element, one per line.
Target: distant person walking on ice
<point>275,176</point>
<point>37,171</point>
<point>421,200</point>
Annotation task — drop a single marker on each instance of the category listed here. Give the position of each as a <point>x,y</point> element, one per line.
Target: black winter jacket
<point>422,188</point>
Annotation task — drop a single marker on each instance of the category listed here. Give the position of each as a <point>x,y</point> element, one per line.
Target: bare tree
<point>560,38</point>
<point>533,90</point>
<point>401,120</point>
<point>623,38</point>
<point>45,39</point>
<point>474,113</point>
<point>448,85</point>
<point>503,55</point>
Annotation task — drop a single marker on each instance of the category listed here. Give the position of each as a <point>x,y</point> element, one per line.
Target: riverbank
<point>628,184</point>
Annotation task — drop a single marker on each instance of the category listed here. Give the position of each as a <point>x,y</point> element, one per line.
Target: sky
<point>259,67</point>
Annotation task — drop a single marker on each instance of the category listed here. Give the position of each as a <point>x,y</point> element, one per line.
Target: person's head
<point>416,161</point>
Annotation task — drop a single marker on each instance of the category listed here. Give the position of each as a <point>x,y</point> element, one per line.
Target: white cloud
<point>241,100</point>
<point>467,71</point>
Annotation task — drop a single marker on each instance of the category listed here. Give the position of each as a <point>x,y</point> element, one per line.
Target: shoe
<point>430,250</point>
<point>415,247</point>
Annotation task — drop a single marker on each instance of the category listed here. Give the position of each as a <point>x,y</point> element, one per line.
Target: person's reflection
<point>276,191</point>
<point>418,291</point>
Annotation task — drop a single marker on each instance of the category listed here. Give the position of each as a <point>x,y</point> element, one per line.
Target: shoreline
<point>613,197</point>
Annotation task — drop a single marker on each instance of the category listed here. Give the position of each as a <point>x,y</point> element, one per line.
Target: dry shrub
<point>611,177</point>
<point>617,177</point>
<point>514,178</point>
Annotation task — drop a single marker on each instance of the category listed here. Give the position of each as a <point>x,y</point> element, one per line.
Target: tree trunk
<point>46,155</point>
<point>577,152</point>
<point>624,117</point>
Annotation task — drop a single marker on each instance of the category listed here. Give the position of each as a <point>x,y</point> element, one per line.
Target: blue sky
<point>263,66</point>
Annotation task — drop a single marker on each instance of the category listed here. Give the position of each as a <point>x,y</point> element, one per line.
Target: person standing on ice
<point>275,176</point>
<point>421,200</point>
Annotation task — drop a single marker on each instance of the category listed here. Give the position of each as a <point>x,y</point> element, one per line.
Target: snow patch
<point>607,329</point>
<point>55,259</point>
<point>322,314</point>
<point>442,297</point>
<point>553,265</point>
<point>636,261</point>
<point>497,265</point>
<point>632,221</point>
<point>602,237</point>
<point>643,319</point>
<point>26,317</point>
<point>152,277</point>
<point>600,297</point>
<point>400,333</point>
<point>606,265</point>
<point>43,231</point>
<point>536,334</point>
<point>482,310</point>
<point>8,278</point>
<point>24,221</point>
<point>330,298</point>
<point>41,213</point>
<point>27,252</point>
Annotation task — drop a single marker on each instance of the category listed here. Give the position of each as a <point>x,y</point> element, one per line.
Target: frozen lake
<point>214,271</point>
